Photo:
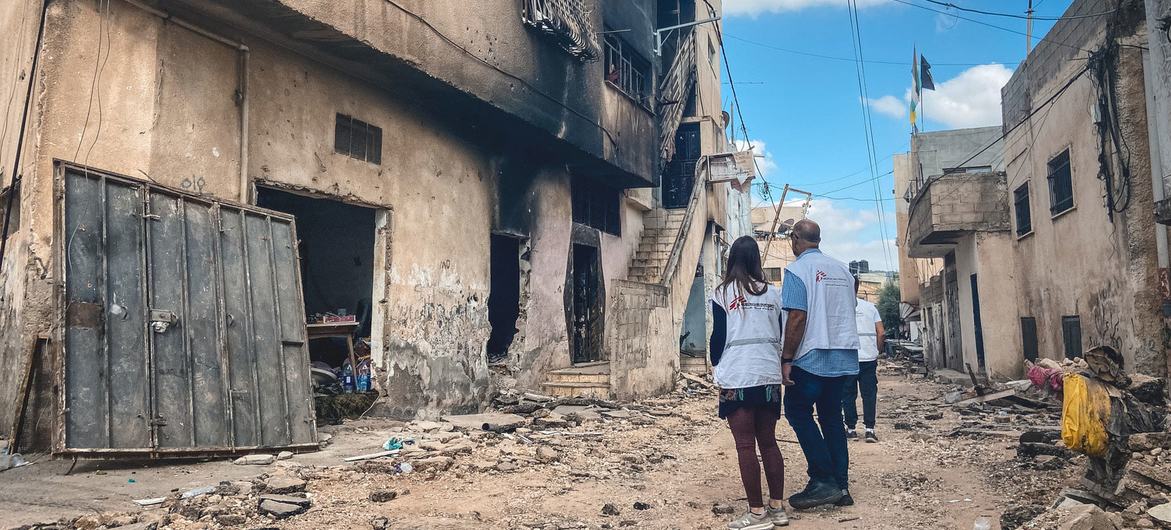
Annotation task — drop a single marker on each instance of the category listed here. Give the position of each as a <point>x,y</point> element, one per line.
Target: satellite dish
<point>786,225</point>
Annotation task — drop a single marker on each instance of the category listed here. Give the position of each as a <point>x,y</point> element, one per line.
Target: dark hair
<point>744,268</point>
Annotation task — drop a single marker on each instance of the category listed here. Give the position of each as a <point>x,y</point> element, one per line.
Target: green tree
<point>889,298</point>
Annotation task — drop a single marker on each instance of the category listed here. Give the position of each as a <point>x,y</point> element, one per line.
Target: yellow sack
<point>1084,414</point>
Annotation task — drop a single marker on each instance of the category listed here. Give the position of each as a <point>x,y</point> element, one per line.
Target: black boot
<point>815,494</point>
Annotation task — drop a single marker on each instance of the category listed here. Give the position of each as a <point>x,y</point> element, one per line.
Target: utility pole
<point>1029,29</point>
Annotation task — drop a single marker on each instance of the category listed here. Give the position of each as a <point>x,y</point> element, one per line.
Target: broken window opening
<point>504,298</point>
<point>336,246</point>
<point>597,206</point>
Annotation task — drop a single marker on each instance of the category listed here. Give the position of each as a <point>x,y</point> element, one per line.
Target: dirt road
<point>684,464</point>
<point>665,466</point>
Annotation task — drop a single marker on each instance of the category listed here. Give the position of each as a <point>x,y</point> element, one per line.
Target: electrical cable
<point>1014,15</point>
<point>868,127</point>
<point>510,75</point>
<point>849,60</point>
<point>1026,119</point>
<point>982,23</point>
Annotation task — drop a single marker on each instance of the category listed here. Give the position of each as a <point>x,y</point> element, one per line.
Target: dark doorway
<point>587,305</point>
<point>1071,335</point>
<point>951,306</point>
<point>336,244</point>
<point>1029,337</point>
<point>976,319</point>
<point>680,175</point>
<point>504,299</point>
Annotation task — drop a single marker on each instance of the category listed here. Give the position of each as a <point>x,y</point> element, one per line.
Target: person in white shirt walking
<point>870,338</point>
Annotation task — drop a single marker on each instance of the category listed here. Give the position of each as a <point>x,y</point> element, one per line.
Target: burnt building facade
<point>192,181</point>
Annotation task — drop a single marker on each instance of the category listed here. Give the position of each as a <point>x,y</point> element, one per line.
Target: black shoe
<point>871,437</point>
<point>851,434</point>
<point>816,494</point>
<point>846,499</point>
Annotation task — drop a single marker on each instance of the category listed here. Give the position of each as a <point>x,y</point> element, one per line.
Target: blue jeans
<point>826,452</point>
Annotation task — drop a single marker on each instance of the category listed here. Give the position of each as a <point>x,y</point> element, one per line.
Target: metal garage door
<point>184,327</point>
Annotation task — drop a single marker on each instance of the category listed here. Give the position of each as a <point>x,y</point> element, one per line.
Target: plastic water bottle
<point>982,523</point>
<point>364,376</point>
<point>347,377</point>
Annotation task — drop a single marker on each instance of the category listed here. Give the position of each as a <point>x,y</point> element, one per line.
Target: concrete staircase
<point>585,380</point>
<point>660,229</point>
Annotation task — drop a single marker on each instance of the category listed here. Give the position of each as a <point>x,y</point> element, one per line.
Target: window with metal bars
<point>626,70</point>
<point>1024,215</point>
<point>1060,184</point>
<point>357,139</point>
<point>597,206</point>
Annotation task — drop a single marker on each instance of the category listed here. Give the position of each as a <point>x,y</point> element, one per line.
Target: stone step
<point>598,378</point>
<point>653,255</point>
<point>693,365</point>
<point>653,263</point>
<point>591,390</point>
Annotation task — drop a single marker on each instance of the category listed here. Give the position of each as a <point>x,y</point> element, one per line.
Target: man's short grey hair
<point>808,231</point>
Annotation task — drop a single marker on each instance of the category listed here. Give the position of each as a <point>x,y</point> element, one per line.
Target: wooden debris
<point>696,379</point>
<point>371,456</point>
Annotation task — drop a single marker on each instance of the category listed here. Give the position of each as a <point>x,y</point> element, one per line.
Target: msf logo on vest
<point>740,300</point>
<point>820,276</point>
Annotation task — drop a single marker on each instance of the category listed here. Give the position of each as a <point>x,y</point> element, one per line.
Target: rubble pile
<point>254,503</point>
<point>1126,485</point>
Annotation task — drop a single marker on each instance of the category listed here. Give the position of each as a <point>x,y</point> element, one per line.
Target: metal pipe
<point>28,99</point>
<point>242,90</point>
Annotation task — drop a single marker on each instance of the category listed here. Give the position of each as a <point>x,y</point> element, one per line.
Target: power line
<point>868,127</point>
<point>1026,119</point>
<point>849,60</point>
<point>1014,15</point>
<point>982,23</point>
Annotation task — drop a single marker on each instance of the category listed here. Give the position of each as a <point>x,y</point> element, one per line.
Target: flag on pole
<point>927,82</point>
<point>916,91</point>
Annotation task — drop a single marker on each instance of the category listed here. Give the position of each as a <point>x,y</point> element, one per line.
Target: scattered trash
<point>195,492</point>
<point>150,502</point>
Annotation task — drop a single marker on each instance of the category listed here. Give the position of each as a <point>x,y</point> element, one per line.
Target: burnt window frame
<point>634,72</point>
<point>596,206</point>
<point>1059,173</point>
<point>369,146</point>
<point>1022,217</point>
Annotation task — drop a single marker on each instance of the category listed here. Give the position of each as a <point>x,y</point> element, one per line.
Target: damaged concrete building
<point>1050,246</point>
<point>523,188</point>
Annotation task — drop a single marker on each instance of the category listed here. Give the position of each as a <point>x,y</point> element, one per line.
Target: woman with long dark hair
<point>746,353</point>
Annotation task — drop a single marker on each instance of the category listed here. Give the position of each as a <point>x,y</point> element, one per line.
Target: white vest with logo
<point>829,288</point>
<point>752,352</point>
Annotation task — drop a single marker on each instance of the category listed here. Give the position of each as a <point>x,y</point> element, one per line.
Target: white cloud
<point>764,158</point>
<point>889,105</point>
<point>848,234</point>
<point>754,8</point>
<point>970,99</point>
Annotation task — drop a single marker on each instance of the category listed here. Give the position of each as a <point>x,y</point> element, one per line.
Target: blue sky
<point>805,111</point>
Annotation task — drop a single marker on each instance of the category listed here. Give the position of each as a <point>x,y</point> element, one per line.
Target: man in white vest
<point>819,355</point>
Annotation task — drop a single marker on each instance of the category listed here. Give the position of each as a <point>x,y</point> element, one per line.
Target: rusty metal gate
<point>184,327</point>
